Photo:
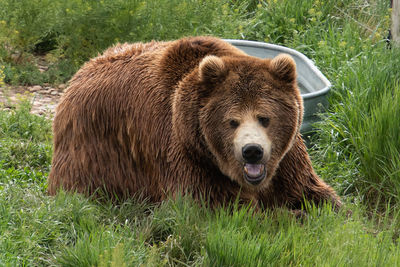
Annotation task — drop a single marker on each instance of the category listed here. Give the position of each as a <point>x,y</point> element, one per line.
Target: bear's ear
<point>284,67</point>
<point>212,70</point>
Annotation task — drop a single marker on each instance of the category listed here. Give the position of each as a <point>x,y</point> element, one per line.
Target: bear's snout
<point>251,143</point>
<point>252,150</point>
<point>252,153</point>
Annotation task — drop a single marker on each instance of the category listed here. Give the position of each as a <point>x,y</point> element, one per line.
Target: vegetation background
<point>356,147</point>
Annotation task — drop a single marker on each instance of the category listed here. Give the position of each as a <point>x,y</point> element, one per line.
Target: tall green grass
<point>25,139</point>
<point>362,129</point>
<point>69,230</point>
<point>274,239</point>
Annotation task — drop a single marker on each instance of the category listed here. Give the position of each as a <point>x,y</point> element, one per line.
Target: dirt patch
<point>44,99</point>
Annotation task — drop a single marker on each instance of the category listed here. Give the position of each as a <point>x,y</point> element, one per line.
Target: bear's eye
<point>234,124</point>
<point>264,121</point>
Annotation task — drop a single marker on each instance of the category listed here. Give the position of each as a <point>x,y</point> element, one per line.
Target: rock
<point>43,68</point>
<point>35,88</point>
<point>15,57</point>
<point>49,90</point>
<point>62,86</point>
<point>44,98</point>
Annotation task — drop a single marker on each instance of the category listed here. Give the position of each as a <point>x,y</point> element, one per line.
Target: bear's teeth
<point>254,170</point>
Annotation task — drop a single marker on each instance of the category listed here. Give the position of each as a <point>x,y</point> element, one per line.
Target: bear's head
<point>242,113</point>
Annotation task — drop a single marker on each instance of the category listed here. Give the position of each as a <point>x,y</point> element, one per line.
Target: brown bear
<point>196,116</point>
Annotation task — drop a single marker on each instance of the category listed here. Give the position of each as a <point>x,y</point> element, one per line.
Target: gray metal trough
<point>314,86</point>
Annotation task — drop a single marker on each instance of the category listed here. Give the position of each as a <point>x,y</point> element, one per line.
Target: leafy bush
<point>2,76</point>
<point>78,30</point>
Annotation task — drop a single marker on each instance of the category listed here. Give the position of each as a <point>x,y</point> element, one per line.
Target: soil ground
<point>44,99</point>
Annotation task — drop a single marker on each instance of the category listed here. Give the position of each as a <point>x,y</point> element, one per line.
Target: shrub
<point>78,30</point>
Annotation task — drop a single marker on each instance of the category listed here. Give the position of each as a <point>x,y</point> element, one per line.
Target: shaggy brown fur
<point>154,119</point>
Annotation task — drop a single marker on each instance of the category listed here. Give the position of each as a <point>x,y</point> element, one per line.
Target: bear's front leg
<point>296,180</point>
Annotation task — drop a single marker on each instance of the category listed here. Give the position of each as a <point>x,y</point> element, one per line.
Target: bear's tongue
<point>254,170</point>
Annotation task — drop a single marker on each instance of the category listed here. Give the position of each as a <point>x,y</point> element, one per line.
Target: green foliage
<point>25,23</point>
<point>77,30</point>
<point>2,76</point>
<point>26,73</point>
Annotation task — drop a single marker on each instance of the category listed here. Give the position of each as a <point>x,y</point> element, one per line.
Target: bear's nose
<point>252,153</point>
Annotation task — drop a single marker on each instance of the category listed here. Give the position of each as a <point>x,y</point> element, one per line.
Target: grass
<point>25,139</point>
<point>356,147</point>
<point>361,131</point>
<point>70,230</point>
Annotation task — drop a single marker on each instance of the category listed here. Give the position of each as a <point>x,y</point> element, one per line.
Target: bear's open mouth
<point>254,173</point>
